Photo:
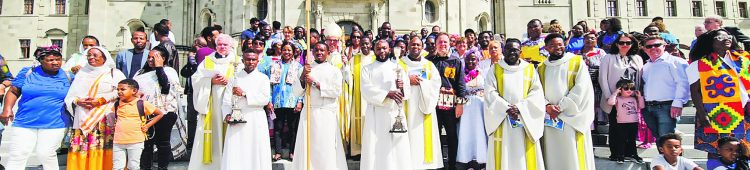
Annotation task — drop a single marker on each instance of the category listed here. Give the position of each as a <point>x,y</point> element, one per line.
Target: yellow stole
<point>428,153</point>
<point>356,99</point>
<point>498,136</point>
<point>207,144</point>
<point>573,67</point>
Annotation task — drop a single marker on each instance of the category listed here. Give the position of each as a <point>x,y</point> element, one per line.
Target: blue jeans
<point>658,119</point>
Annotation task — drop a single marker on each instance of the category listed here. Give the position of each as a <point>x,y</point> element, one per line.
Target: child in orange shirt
<point>131,125</point>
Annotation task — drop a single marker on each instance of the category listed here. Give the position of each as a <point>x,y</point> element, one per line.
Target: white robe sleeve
<point>298,88</point>
<point>533,109</point>
<point>201,89</point>
<point>430,91</point>
<point>330,84</point>
<point>578,105</point>
<point>495,105</point>
<point>371,91</point>
<point>226,101</point>
<point>117,76</point>
<point>261,93</point>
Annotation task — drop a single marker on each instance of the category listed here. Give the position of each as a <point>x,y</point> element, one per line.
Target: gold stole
<point>428,153</point>
<point>357,99</point>
<point>207,144</point>
<point>95,114</point>
<point>498,136</point>
<point>573,67</point>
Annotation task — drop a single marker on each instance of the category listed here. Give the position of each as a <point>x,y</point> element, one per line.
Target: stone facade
<point>112,21</point>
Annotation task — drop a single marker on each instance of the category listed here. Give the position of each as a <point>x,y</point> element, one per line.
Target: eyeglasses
<point>625,43</point>
<point>653,45</point>
<point>723,37</point>
<point>353,37</point>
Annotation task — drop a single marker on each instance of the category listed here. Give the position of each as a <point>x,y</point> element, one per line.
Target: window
<point>262,9</point>
<point>28,7</point>
<point>612,8</point>
<point>640,8</point>
<point>429,11</point>
<point>86,8</point>
<point>720,9</point>
<point>671,8</point>
<point>57,42</point>
<point>743,9</point>
<point>60,7</point>
<point>25,47</point>
<point>697,9</point>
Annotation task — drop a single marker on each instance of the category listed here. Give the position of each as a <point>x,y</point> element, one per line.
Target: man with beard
<point>353,72</point>
<point>514,113</point>
<point>424,85</point>
<point>383,89</point>
<point>484,44</point>
<point>452,93</point>
<point>570,104</point>
<point>250,33</point>
<point>131,60</point>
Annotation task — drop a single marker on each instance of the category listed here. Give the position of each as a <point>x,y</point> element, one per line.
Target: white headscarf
<point>108,63</point>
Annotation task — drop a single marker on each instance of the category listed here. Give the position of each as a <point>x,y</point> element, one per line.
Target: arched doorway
<point>347,26</point>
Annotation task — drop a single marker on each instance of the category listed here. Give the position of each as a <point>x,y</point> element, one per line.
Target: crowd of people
<point>530,102</point>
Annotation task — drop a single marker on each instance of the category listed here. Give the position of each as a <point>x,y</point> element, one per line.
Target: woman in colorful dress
<point>718,78</point>
<point>472,143</point>
<point>89,99</point>
<point>593,55</point>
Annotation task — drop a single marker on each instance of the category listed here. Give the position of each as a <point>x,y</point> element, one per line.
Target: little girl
<point>628,103</point>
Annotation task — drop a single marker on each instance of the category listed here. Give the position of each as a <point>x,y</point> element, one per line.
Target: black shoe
<point>620,160</point>
<point>637,159</point>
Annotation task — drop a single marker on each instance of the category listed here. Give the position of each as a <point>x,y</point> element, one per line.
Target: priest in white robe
<point>320,139</point>
<point>424,84</point>
<point>247,145</point>
<point>352,72</point>
<point>514,116</point>
<point>382,149</point>
<point>570,108</point>
<point>209,83</point>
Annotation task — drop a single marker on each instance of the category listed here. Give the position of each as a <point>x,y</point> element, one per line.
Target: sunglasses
<point>723,37</point>
<point>653,45</point>
<point>628,88</point>
<point>625,43</point>
<point>353,37</point>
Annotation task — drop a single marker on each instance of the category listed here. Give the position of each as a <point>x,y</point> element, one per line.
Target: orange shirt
<point>128,126</point>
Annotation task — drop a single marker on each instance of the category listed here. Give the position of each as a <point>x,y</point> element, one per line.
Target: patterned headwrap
<point>43,51</point>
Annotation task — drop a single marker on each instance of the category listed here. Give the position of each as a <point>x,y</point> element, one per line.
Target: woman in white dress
<point>472,143</point>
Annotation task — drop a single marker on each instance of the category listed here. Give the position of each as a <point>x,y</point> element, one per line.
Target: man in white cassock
<point>383,89</point>
<point>424,84</point>
<point>321,138</point>
<point>570,108</point>
<point>209,83</point>
<point>514,113</point>
<point>247,145</point>
<point>352,72</point>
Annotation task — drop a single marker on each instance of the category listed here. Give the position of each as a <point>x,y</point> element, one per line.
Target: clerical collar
<point>320,62</point>
<point>217,55</point>
<point>415,59</point>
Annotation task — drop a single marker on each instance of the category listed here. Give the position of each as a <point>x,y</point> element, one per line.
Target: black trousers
<point>163,133</point>
<point>284,138</point>
<point>192,121</point>
<point>447,119</point>
<point>621,137</point>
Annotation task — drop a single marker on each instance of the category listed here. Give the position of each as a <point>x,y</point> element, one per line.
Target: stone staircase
<point>686,125</point>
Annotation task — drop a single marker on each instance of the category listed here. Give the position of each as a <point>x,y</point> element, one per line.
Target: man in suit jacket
<point>131,60</point>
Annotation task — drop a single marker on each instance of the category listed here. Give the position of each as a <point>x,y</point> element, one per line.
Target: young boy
<point>732,154</point>
<point>670,145</point>
<point>131,125</point>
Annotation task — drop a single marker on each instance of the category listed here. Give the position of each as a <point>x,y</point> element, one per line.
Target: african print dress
<point>724,82</point>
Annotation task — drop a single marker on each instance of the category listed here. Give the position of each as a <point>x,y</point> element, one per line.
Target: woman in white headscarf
<point>90,99</point>
<point>78,60</point>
